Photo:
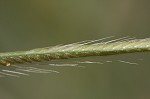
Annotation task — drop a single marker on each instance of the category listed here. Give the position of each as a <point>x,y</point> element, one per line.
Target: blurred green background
<point>27,24</point>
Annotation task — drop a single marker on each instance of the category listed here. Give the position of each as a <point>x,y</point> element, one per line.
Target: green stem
<point>74,51</point>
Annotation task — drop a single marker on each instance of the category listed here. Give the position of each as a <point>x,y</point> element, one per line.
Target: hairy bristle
<point>75,50</point>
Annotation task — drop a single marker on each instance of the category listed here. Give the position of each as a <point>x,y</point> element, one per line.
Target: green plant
<point>75,50</point>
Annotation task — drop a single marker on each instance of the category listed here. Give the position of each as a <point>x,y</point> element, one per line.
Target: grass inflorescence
<point>75,50</point>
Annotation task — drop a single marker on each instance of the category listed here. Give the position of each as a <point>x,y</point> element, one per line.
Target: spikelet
<point>75,50</point>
